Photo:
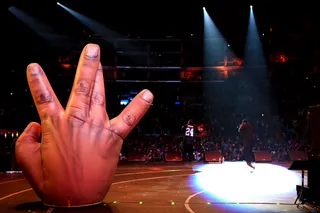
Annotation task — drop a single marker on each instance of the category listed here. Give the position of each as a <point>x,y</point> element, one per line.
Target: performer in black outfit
<point>188,142</point>
<point>246,130</point>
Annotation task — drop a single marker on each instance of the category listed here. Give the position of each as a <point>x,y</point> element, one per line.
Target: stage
<point>177,187</point>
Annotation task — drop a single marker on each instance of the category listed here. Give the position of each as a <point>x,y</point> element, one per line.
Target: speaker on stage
<point>173,156</point>
<point>262,156</point>
<point>298,155</point>
<point>314,152</point>
<point>313,128</point>
<point>314,176</point>
<point>213,156</point>
<point>136,156</point>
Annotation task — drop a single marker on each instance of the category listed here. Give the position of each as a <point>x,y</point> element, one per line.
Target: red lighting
<point>282,59</point>
<point>155,169</point>
<point>66,66</point>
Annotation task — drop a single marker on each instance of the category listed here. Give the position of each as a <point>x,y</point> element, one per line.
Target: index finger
<point>43,95</point>
<point>123,124</point>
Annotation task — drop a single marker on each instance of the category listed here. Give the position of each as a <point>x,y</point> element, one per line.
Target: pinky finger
<point>123,124</point>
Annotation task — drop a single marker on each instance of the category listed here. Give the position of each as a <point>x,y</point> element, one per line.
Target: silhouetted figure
<point>246,130</point>
<point>188,142</point>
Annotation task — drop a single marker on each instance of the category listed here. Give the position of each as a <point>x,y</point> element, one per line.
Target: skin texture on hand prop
<point>77,158</point>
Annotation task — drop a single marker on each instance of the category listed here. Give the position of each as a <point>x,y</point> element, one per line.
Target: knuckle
<point>128,118</point>
<point>89,66</point>
<point>97,99</point>
<point>117,131</point>
<point>79,108</point>
<point>76,108</point>
<point>76,117</point>
<point>99,123</point>
<point>83,88</point>
<point>43,97</point>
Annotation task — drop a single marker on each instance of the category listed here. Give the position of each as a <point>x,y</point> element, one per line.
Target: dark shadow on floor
<point>103,208</point>
<point>33,206</point>
<point>39,207</point>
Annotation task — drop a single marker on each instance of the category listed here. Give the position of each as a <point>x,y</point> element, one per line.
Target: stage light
<point>203,8</point>
<point>251,6</point>
<point>58,3</point>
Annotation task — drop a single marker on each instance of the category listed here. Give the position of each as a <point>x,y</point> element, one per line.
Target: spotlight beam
<point>215,46</point>
<point>41,29</point>
<point>253,50</point>
<point>101,30</point>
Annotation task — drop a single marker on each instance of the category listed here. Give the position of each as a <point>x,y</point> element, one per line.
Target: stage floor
<point>176,187</point>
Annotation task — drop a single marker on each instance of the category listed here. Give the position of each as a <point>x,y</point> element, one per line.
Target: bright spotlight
<point>250,6</point>
<point>203,8</point>
<point>58,3</point>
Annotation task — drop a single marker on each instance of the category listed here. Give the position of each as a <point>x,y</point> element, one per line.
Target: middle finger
<point>80,98</point>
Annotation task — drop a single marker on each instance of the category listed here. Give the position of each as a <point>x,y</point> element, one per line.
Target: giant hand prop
<point>77,158</point>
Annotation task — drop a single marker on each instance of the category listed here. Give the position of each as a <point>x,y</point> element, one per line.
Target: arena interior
<point>213,63</point>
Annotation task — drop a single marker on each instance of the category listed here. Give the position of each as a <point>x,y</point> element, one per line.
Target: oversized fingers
<point>132,114</point>
<point>79,103</point>
<point>43,95</point>
<point>97,113</point>
<point>28,155</point>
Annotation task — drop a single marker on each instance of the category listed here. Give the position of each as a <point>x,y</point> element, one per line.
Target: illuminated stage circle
<point>233,182</point>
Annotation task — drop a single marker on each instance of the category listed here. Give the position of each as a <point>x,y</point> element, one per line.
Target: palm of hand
<point>77,158</point>
<point>87,158</point>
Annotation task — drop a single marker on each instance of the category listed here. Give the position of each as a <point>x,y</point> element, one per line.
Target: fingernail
<point>92,50</point>
<point>34,69</point>
<point>100,68</point>
<point>30,128</point>
<point>147,96</point>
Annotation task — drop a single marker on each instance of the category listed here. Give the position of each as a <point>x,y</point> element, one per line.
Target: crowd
<point>277,109</point>
<point>155,146</point>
